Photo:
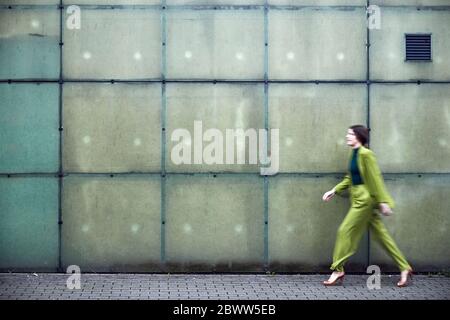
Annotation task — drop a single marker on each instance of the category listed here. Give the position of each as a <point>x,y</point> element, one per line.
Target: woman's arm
<point>344,184</point>
<point>341,186</point>
<point>375,181</point>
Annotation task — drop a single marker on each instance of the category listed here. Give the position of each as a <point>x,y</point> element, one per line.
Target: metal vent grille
<point>418,47</point>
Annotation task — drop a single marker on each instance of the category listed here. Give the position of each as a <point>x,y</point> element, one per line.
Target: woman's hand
<point>328,195</point>
<point>385,209</point>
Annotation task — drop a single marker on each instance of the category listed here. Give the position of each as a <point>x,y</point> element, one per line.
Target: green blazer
<point>371,176</point>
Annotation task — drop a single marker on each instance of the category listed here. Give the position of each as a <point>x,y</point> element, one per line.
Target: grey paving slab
<point>52,286</point>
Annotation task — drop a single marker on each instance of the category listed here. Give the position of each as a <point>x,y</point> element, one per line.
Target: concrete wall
<point>102,193</point>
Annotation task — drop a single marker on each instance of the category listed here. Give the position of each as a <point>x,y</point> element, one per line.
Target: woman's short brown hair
<point>361,133</point>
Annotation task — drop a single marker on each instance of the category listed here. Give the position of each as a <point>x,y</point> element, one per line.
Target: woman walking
<point>367,192</point>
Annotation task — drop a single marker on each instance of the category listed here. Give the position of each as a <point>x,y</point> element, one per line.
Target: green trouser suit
<point>364,199</point>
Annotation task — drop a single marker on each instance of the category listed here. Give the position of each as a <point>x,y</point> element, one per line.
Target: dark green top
<point>353,167</point>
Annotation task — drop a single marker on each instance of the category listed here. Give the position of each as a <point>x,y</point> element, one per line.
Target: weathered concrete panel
<point>103,2</point>
<point>212,2</point>
<point>29,44</point>
<point>111,224</point>
<point>387,50</point>
<point>112,128</point>
<point>409,2</point>
<point>411,127</point>
<point>318,2</point>
<point>315,43</point>
<point>28,224</point>
<point>29,136</point>
<point>215,44</point>
<point>313,121</point>
<point>130,46</point>
<point>221,107</point>
<point>29,2</point>
<point>215,223</point>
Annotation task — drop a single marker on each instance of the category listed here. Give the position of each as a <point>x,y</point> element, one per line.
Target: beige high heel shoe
<point>339,279</point>
<point>405,280</point>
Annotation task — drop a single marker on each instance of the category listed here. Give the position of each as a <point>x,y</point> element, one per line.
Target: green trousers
<point>360,217</point>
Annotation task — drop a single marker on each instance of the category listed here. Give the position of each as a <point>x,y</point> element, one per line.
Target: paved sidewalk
<point>215,286</point>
